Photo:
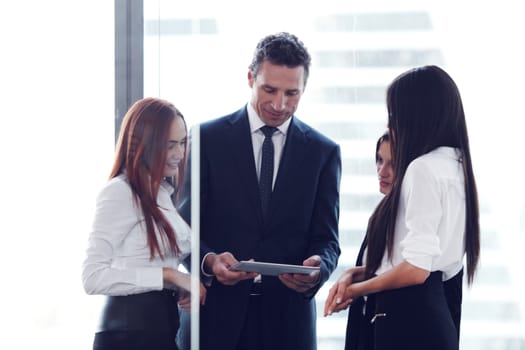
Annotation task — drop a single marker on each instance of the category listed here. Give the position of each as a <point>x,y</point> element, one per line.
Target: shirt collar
<point>167,186</point>
<point>256,123</point>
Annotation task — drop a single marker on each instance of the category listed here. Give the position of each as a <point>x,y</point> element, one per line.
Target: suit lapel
<point>240,145</point>
<point>294,154</point>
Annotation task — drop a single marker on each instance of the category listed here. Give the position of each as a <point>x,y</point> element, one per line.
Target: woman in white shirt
<point>421,231</point>
<point>138,239</point>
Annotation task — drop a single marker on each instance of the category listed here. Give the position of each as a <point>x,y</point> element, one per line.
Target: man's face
<point>276,91</point>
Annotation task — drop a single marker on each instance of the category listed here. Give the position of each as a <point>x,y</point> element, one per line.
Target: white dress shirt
<point>118,256</point>
<point>430,224</point>
<point>278,138</point>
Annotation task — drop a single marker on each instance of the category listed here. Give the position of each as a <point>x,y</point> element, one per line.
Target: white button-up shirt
<point>118,257</point>
<point>430,224</point>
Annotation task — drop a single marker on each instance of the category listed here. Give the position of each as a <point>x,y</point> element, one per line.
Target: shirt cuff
<point>202,266</point>
<point>420,251</point>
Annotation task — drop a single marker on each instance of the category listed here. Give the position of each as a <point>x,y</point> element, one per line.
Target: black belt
<point>157,310</point>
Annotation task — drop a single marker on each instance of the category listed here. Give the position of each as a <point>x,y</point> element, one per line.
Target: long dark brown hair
<point>141,154</point>
<point>383,138</point>
<point>425,112</point>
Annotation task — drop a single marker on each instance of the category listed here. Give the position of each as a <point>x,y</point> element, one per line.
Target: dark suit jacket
<point>303,221</point>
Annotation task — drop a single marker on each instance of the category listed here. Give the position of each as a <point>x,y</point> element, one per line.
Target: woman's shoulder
<point>436,157</point>
<point>442,162</point>
<point>116,187</point>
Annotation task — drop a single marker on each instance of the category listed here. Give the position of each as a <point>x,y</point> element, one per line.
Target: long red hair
<point>141,154</point>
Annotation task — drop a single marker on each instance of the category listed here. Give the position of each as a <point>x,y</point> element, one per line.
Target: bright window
<point>196,55</point>
<point>57,86</point>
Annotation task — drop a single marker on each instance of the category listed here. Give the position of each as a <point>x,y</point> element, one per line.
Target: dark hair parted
<point>383,138</point>
<point>141,153</point>
<point>282,49</point>
<point>425,112</point>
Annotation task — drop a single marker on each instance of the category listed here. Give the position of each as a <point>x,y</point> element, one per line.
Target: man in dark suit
<point>297,223</point>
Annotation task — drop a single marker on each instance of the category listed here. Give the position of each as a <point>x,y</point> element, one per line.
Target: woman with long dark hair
<point>359,333</point>
<point>422,230</point>
<point>138,238</point>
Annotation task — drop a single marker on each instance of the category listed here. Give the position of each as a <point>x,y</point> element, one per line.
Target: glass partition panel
<point>197,53</point>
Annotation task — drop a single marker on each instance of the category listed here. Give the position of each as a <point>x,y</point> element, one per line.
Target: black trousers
<point>251,335</point>
<point>140,321</point>
<point>417,317</point>
<point>359,330</point>
<point>454,294</point>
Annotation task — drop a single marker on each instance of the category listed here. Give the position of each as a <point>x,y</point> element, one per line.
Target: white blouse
<point>430,224</point>
<point>118,257</point>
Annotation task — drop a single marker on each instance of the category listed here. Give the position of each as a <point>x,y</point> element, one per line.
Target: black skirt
<point>140,321</point>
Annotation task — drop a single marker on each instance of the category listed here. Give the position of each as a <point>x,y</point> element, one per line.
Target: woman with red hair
<point>138,238</point>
